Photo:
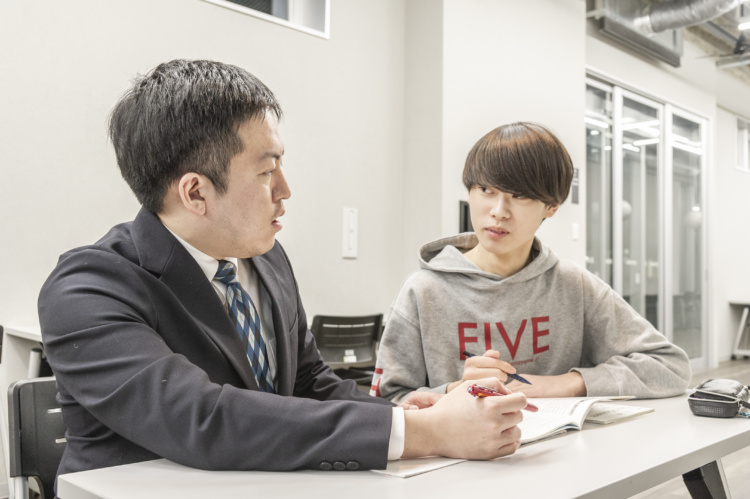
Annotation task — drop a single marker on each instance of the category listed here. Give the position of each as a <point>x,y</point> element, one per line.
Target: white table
<point>611,461</point>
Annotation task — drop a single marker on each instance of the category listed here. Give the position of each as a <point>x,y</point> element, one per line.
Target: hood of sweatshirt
<point>447,255</point>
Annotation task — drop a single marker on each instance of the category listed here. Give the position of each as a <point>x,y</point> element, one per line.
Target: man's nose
<point>281,189</point>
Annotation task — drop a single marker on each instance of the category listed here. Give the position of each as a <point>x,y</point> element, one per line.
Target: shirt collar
<point>208,264</point>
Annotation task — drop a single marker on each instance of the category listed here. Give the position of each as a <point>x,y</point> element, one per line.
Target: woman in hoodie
<point>500,293</point>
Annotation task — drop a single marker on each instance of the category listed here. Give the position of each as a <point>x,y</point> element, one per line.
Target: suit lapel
<point>265,272</point>
<point>163,255</point>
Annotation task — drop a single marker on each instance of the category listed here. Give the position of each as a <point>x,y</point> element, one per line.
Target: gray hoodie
<point>550,318</point>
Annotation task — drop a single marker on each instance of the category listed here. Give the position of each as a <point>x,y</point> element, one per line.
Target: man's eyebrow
<point>272,154</point>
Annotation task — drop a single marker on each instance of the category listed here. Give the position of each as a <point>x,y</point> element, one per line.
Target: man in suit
<point>182,334</point>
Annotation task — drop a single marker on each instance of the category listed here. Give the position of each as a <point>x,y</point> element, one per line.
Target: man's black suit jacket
<point>148,365</point>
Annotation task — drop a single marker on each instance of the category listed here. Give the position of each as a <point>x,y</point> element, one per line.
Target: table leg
<point>707,482</point>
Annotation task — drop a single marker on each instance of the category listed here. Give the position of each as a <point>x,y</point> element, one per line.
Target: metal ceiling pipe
<point>658,17</point>
<point>734,61</point>
<point>719,33</point>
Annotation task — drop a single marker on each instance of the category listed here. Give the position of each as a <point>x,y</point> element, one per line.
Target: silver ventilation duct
<point>677,14</point>
<point>656,28</point>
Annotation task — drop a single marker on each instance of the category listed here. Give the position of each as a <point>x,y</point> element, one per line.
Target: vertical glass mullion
<point>617,188</point>
<point>704,244</point>
<point>642,243</point>
<point>665,198</point>
<point>606,186</point>
<point>666,232</point>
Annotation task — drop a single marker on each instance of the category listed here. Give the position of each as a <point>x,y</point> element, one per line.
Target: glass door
<point>686,232</point>
<point>636,183</point>
<point>599,180</point>
<point>645,213</point>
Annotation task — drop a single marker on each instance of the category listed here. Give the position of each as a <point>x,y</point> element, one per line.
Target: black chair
<point>349,344</point>
<point>36,435</point>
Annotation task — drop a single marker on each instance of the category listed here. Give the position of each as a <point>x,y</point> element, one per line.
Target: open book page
<point>405,468</point>
<point>609,413</point>
<point>557,415</point>
<point>538,426</point>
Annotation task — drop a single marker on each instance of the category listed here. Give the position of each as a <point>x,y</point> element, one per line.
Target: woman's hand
<point>488,365</point>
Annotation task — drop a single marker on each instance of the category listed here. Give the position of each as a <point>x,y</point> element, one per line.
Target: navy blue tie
<point>247,322</point>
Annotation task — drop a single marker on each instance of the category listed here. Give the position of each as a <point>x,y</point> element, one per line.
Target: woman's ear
<point>551,210</point>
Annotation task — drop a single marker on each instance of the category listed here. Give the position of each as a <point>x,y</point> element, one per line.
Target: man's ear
<point>551,210</point>
<point>193,189</point>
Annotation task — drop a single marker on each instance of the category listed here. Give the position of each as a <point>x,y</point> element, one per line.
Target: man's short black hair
<point>183,117</point>
<point>524,159</point>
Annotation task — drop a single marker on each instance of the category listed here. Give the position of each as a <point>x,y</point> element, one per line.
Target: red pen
<point>486,391</point>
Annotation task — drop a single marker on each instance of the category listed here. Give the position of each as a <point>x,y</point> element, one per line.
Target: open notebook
<point>559,415</point>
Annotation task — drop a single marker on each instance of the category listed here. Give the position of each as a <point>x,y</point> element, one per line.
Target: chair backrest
<point>36,434</point>
<point>347,341</point>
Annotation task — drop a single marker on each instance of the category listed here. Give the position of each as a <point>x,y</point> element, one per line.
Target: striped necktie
<point>247,322</point>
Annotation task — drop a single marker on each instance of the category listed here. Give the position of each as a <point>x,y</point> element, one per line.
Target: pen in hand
<point>511,376</point>
<point>485,391</point>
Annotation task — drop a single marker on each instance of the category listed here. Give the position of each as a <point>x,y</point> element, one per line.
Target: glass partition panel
<point>641,141</point>
<point>645,213</point>
<point>687,235</point>
<point>598,182</point>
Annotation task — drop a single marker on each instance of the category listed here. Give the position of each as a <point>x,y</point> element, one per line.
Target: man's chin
<point>262,249</point>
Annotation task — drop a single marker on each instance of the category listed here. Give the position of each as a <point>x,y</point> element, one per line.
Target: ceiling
<point>658,28</point>
<point>718,39</point>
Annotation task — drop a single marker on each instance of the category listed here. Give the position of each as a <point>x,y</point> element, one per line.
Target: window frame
<point>294,10</point>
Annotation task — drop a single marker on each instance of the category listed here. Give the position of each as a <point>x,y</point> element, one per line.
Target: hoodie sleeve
<point>401,366</point>
<point>629,356</point>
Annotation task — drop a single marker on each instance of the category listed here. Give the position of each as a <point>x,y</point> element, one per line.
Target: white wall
<point>423,118</point>
<point>380,117</point>
<point>343,129</point>
<point>473,65</point>
<point>507,61</point>
<point>729,239</point>
<point>729,235</point>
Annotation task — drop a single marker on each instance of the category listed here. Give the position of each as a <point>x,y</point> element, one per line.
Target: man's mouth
<point>275,222</point>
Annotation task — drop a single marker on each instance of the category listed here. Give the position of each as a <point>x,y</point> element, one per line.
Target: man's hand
<point>564,385</point>
<point>488,365</point>
<point>461,426</point>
